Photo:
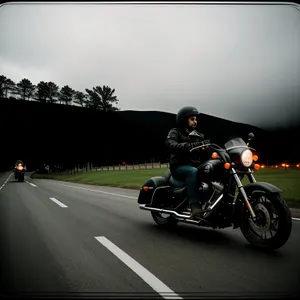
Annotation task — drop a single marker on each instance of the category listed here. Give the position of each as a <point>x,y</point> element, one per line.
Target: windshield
<point>235,142</point>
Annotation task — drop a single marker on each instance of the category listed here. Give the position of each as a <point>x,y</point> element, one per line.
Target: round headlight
<point>247,158</point>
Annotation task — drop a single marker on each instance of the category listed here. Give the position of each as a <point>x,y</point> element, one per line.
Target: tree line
<point>100,97</point>
<point>133,136</point>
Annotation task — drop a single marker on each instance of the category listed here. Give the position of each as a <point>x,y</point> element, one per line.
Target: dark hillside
<point>59,134</point>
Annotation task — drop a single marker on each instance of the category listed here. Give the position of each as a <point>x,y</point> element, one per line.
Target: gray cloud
<point>236,62</point>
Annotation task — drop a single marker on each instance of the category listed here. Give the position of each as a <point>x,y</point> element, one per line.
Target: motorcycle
<point>257,208</point>
<point>20,172</point>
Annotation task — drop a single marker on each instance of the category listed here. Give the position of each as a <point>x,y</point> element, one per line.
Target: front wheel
<point>273,226</point>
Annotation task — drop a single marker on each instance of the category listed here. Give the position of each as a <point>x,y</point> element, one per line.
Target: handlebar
<point>210,145</point>
<point>221,151</point>
<point>217,147</point>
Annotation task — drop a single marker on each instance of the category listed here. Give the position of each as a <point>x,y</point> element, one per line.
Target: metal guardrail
<point>116,168</point>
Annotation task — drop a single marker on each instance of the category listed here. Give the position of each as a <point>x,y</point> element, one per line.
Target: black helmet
<point>184,113</point>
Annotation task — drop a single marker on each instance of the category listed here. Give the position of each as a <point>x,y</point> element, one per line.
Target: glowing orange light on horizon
<point>262,166</point>
<point>283,165</point>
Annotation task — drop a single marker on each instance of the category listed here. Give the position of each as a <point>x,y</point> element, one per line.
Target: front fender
<point>261,186</point>
<point>250,189</point>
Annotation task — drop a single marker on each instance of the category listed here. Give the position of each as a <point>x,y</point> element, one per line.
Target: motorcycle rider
<point>183,163</point>
<point>17,163</point>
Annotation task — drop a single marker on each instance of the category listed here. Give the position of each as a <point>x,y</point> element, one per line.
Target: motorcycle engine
<point>205,191</point>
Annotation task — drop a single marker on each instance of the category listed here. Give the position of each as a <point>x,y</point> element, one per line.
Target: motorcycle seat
<point>172,181</point>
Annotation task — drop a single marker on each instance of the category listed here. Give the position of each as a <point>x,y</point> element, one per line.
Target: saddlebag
<point>149,187</point>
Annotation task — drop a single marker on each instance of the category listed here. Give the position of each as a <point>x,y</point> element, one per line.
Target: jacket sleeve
<point>173,145</point>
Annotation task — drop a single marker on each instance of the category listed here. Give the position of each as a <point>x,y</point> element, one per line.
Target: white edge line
<point>113,194</point>
<point>58,202</point>
<point>5,182</point>
<point>147,276</point>
<point>97,191</point>
<point>31,184</point>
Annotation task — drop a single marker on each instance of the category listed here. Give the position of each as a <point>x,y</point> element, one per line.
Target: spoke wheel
<point>273,226</point>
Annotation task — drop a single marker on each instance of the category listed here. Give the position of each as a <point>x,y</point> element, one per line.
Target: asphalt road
<point>61,237</point>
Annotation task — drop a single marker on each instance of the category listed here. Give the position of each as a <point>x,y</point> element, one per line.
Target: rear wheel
<point>273,226</point>
<point>164,220</point>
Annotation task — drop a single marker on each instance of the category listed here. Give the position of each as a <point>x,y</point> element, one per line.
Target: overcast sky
<point>238,62</point>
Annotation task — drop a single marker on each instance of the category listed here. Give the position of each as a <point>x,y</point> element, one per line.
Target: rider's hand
<point>196,144</point>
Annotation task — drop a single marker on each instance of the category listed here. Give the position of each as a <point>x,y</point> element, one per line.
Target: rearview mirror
<point>250,136</point>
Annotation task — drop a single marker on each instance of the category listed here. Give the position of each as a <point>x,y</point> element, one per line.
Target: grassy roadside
<point>287,180</point>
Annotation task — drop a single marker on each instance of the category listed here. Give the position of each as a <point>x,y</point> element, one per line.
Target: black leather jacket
<point>178,144</point>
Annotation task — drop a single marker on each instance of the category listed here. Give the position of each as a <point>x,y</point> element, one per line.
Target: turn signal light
<point>255,158</point>
<point>227,166</point>
<point>215,155</point>
<point>146,188</point>
<point>256,167</point>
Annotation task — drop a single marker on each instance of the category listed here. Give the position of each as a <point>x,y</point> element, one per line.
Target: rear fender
<point>149,187</point>
<point>250,189</point>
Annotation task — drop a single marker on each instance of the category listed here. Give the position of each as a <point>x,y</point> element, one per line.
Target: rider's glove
<point>196,144</point>
<point>199,144</point>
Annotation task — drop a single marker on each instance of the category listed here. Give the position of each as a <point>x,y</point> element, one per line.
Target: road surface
<point>59,237</point>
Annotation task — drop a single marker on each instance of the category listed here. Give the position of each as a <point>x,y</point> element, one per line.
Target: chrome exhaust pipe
<point>185,218</point>
<point>181,218</point>
<point>191,221</point>
<point>171,212</point>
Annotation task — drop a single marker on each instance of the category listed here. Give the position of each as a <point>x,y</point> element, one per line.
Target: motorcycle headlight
<point>247,158</point>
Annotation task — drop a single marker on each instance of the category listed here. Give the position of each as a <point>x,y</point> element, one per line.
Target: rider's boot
<point>196,210</point>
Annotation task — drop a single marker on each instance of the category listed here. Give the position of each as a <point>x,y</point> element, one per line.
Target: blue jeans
<point>189,175</point>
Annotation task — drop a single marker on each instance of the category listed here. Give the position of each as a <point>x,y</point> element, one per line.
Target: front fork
<point>242,190</point>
